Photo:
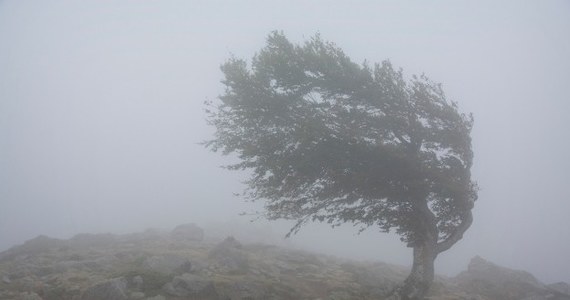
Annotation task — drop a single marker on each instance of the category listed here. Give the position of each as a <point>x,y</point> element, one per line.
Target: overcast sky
<point>101,113</point>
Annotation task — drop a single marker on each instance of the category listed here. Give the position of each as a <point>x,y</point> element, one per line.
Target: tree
<point>330,140</point>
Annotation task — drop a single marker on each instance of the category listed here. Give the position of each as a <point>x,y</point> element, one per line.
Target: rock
<point>230,242</point>
<point>198,266</point>
<point>168,263</point>
<point>229,256</point>
<point>114,289</point>
<point>495,282</point>
<point>187,232</point>
<point>153,263</point>
<point>481,269</point>
<point>190,285</point>
<point>185,268</point>
<point>40,244</point>
<point>137,282</point>
<point>35,246</point>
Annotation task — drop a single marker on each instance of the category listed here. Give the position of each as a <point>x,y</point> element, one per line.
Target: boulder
<point>483,270</point>
<point>114,289</point>
<point>187,232</point>
<point>137,283</point>
<point>228,255</point>
<point>230,242</point>
<point>495,282</point>
<point>168,263</point>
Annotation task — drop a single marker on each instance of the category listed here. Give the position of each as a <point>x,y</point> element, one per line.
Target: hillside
<point>183,264</point>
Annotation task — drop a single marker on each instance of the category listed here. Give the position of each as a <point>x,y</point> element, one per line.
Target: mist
<point>102,115</point>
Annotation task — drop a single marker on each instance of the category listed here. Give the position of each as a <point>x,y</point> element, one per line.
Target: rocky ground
<point>182,264</point>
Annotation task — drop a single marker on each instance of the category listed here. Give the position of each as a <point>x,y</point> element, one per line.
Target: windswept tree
<point>329,140</point>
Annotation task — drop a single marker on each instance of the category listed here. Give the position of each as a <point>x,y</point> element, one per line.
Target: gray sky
<point>101,110</point>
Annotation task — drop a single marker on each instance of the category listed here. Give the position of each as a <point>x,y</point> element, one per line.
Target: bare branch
<point>457,233</point>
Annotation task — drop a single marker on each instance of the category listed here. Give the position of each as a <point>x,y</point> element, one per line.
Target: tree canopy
<point>327,139</point>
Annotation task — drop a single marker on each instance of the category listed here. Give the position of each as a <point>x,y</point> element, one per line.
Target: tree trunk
<point>418,283</point>
<point>421,277</point>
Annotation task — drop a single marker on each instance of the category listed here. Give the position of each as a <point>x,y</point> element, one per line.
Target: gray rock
<point>230,242</point>
<point>187,232</point>
<point>229,256</point>
<point>190,285</point>
<point>137,282</point>
<point>6,279</point>
<point>114,289</point>
<point>167,263</point>
<point>186,267</point>
<point>480,269</point>
<point>495,282</point>
<point>35,246</point>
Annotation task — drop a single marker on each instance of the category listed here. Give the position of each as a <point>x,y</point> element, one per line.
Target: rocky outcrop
<point>35,246</point>
<point>229,257</point>
<point>499,283</point>
<point>162,265</point>
<point>187,232</point>
<point>480,269</point>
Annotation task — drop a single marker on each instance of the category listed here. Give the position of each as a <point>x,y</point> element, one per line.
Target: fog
<point>101,116</point>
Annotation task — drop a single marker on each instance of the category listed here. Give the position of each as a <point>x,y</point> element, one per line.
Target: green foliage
<point>330,140</point>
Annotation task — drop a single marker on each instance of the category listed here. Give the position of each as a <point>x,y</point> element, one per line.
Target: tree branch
<point>457,234</point>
